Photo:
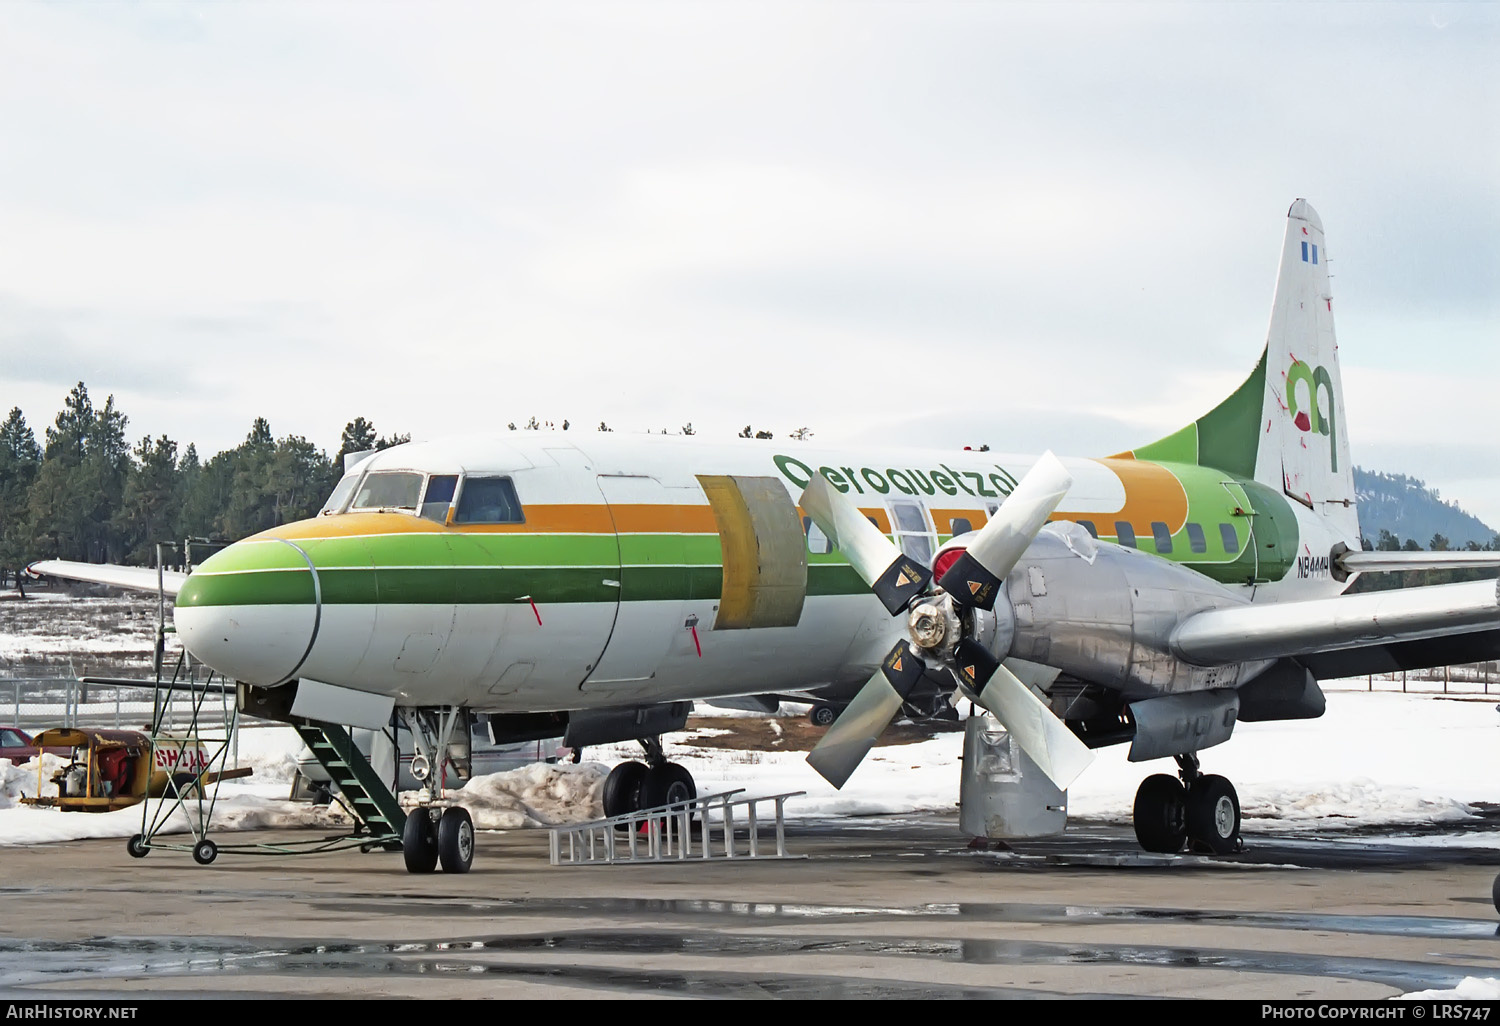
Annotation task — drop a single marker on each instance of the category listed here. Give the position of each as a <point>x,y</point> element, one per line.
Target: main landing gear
<point>1200,808</point>
<point>633,786</point>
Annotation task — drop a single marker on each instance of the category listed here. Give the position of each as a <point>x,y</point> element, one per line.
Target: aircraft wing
<point>135,578</point>
<point>1385,620</point>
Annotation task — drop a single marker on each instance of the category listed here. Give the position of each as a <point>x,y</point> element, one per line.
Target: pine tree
<point>20,460</point>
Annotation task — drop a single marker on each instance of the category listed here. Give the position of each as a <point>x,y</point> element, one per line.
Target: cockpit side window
<point>439,497</point>
<point>341,493</point>
<point>389,489</point>
<point>488,500</point>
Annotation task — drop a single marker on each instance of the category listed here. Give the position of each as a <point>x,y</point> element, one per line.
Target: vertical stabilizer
<point>1304,440</point>
<point>1284,426</point>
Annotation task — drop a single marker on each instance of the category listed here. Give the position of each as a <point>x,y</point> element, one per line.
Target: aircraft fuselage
<point>613,571</point>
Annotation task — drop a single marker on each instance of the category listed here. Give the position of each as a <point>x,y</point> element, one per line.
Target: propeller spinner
<point>941,629</point>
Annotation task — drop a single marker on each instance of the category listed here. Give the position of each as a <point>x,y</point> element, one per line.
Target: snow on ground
<point>1471,988</point>
<point>1392,761</point>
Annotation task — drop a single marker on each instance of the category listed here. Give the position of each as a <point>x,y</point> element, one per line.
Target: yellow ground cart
<point>116,769</point>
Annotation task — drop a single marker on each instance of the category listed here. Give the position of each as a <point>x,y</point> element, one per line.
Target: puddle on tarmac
<point>1010,912</point>
<point>33,964</point>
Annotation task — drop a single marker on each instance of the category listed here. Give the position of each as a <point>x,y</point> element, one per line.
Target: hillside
<point>1407,508</point>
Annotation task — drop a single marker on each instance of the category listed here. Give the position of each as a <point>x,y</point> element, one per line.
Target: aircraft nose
<point>252,610</point>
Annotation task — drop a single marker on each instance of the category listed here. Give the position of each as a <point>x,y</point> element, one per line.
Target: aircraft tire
<point>666,784</point>
<point>455,840</point>
<point>419,842</point>
<point>622,789</point>
<point>1213,814</point>
<point>1160,814</point>
<point>137,847</point>
<point>1495,892</point>
<point>822,715</point>
<point>205,851</point>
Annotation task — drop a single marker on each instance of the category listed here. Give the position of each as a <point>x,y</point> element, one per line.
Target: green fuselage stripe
<point>446,586</point>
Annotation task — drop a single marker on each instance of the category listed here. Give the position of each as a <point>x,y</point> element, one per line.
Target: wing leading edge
<point>134,578</point>
<point>1246,633</point>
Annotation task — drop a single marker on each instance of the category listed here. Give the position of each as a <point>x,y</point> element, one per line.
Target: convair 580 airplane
<point>1155,597</point>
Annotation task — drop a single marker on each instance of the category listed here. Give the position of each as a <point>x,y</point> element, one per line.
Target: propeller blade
<point>973,664</point>
<point>894,577</point>
<point>975,577</point>
<point>1056,750</point>
<point>862,722</point>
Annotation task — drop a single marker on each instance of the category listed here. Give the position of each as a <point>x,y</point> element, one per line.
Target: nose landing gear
<point>1200,808</point>
<point>436,833</point>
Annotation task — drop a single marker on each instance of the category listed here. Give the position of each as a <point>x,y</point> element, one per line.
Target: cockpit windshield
<point>341,493</point>
<point>390,489</point>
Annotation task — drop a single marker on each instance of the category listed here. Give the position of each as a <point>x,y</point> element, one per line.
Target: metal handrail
<point>668,833</point>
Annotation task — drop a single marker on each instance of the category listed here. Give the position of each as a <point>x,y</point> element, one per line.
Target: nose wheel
<point>1200,809</point>
<point>433,836</point>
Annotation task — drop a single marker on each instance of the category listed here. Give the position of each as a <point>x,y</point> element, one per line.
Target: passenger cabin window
<point>1124,534</point>
<point>817,542</point>
<point>1196,541</point>
<point>391,489</point>
<point>960,525</point>
<point>439,497</point>
<point>488,500</point>
<point>341,493</point>
<point>913,536</point>
<point>1088,525</point>
<point>1230,538</point>
<point>1161,536</point>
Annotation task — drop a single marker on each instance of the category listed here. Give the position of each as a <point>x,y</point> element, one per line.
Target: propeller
<point>940,621</point>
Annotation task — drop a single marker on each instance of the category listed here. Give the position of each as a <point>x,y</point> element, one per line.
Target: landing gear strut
<point>1198,807</point>
<point>633,786</point>
<point>436,833</point>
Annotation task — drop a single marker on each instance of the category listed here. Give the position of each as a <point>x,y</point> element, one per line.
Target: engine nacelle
<point>1105,613</point>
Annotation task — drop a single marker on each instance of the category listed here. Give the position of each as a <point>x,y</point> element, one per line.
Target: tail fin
<point>1284,427</point>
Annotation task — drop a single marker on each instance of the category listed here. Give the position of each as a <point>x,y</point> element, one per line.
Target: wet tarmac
<point>890,908</point>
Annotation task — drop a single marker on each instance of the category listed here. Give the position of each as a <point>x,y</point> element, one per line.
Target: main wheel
<point>1160,814</point>
<point>419,842</point>
<point>822,715</point>
<point>455,840</point>
<point>205,851</point>
<point>667,784</point>
<point>622,789</point>
<point>1495,892</point>
<point>137,847</point>
<point>1213,814</point>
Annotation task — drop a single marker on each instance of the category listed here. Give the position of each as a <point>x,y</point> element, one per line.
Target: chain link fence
<point>35,703</point>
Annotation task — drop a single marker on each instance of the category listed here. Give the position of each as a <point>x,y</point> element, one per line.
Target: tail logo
<point>1305,408</point>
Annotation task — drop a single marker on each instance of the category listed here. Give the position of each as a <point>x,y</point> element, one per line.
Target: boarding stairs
<point>369,799</point>
<point>698,829</point>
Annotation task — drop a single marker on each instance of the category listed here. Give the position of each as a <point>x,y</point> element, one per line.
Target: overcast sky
<point>1028,225</point>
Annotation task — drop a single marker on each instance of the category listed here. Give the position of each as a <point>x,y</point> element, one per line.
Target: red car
<point>15,745</point>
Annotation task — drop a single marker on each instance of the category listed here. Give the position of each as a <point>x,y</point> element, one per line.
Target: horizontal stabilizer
<point>133,578</point>
<point>1394,562</point>
<point>1242,633</point>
